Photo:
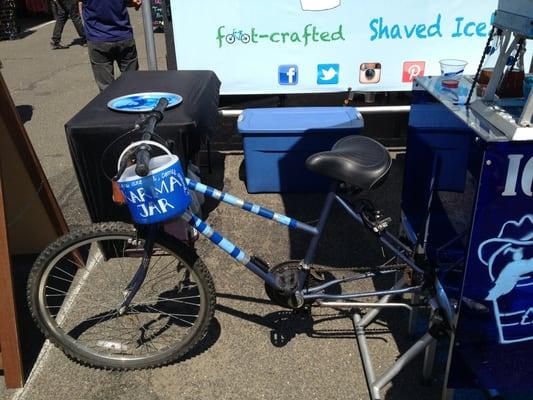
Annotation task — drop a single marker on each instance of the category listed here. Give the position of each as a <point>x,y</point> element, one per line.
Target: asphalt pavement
<point>254,350</point>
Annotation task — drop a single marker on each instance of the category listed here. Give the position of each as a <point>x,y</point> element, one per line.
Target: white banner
<point>302,46</point>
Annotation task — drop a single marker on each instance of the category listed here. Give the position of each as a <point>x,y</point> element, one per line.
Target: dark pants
<point>64,10</point>
<point>103,55</point>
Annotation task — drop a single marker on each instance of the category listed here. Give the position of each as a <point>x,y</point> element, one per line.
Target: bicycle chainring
<point>287,274</point>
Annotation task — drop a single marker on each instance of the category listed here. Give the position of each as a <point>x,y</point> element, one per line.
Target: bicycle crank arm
<point>140,275</point>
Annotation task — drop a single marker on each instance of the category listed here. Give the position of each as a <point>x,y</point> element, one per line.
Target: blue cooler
<point>277,141</point>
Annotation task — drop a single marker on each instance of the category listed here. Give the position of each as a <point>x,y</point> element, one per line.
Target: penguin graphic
<point>509,258</point>
<point>511,274</point>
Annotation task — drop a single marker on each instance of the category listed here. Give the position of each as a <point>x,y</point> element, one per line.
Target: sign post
<point>149,35</point>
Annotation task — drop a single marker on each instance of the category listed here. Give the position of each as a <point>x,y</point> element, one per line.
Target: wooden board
<point>30,218</point>
<point>9,340</point>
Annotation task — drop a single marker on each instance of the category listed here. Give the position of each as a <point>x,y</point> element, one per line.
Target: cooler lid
<point>285,120</point>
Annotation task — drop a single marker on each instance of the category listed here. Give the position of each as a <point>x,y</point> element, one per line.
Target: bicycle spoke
<point>120,263</point>
<point>184,302</point>
<point>160,277</point>
<point>185,297</point>
<point>100,318</point>
<point>170,263</point>
<point>57,290</point>
<point>154,264</point>
<point>79,266</point>
<point>173,315</point>
<point>65,272</point>
<point>61,279</point>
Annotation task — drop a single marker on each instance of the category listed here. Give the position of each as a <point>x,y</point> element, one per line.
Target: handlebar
<point>143,161</point>
<point>142,156</point>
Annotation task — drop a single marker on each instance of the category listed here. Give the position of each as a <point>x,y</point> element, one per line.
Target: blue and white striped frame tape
<point>216,238</point>
<point>223,243</point>
<point>247,206</point>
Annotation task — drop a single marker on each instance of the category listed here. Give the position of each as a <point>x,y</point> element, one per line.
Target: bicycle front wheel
<point>78,284</point>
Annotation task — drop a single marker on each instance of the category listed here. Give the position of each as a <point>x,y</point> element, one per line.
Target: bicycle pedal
<point>318,276</point>
<point>379,225</point>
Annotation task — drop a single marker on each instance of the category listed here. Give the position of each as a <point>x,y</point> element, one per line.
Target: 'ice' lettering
<point>513,176</point>
<point>469,28</point>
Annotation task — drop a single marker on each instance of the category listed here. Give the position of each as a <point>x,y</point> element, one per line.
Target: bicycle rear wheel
<point>77,285</point>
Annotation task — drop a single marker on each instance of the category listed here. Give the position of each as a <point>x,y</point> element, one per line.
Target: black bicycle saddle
<point>357,160</point>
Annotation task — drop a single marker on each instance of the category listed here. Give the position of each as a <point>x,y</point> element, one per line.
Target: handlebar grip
<point>155,116</point>
<point>142,167</point>
<point>161,104</point>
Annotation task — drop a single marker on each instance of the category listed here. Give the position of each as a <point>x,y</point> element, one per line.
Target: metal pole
<point>362,110</point>
<point>149,35</point>
<point>368,367</point>
<point>369,317</point>
<point>406,358</point>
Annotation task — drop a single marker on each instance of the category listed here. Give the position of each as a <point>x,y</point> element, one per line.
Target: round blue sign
<point>143,102</point>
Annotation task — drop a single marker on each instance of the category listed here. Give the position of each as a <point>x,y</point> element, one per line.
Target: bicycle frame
<point>388,240</point>
<point>427,343</point>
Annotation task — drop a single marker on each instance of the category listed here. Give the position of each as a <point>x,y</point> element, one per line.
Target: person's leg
<point>101,58</point>
<point>74,13</point>
<point>126,55</point>
<point>61,18</point>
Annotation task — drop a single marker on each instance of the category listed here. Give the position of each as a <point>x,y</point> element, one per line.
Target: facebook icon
<point>288,74</point>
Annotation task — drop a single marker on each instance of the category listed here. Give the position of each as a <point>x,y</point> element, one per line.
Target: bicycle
<point>153,297</point>
<point>231,38</point>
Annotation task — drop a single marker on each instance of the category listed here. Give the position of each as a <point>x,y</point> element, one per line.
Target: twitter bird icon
<point>328,74</point>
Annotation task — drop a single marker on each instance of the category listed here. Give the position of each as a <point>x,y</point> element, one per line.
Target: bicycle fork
<point>140,275</point>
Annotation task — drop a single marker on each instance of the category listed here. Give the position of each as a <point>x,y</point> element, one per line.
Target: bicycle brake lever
<point>140,121</point>
<point>123,165</point>
<point>145,118</point>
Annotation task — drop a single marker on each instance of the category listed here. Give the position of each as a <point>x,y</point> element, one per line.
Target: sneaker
<point>81,41</point>
<point>57,46</point>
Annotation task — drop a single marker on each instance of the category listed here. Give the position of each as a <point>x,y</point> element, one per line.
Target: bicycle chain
<point>377,269</point>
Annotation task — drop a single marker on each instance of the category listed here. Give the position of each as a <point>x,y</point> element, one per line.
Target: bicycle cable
<point>116,140</point>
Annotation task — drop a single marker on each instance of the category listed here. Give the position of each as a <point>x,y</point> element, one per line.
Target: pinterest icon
<point>412,69</point>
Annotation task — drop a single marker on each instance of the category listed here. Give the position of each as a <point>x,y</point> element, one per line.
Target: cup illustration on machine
<point>509,259</point>
<point>369,73</point>
<point>319,5</point>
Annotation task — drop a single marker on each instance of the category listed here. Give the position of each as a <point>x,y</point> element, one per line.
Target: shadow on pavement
<point>31,339</point>
<point>25,112</point>
<point>207,341</point>
<point>285,325</point>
